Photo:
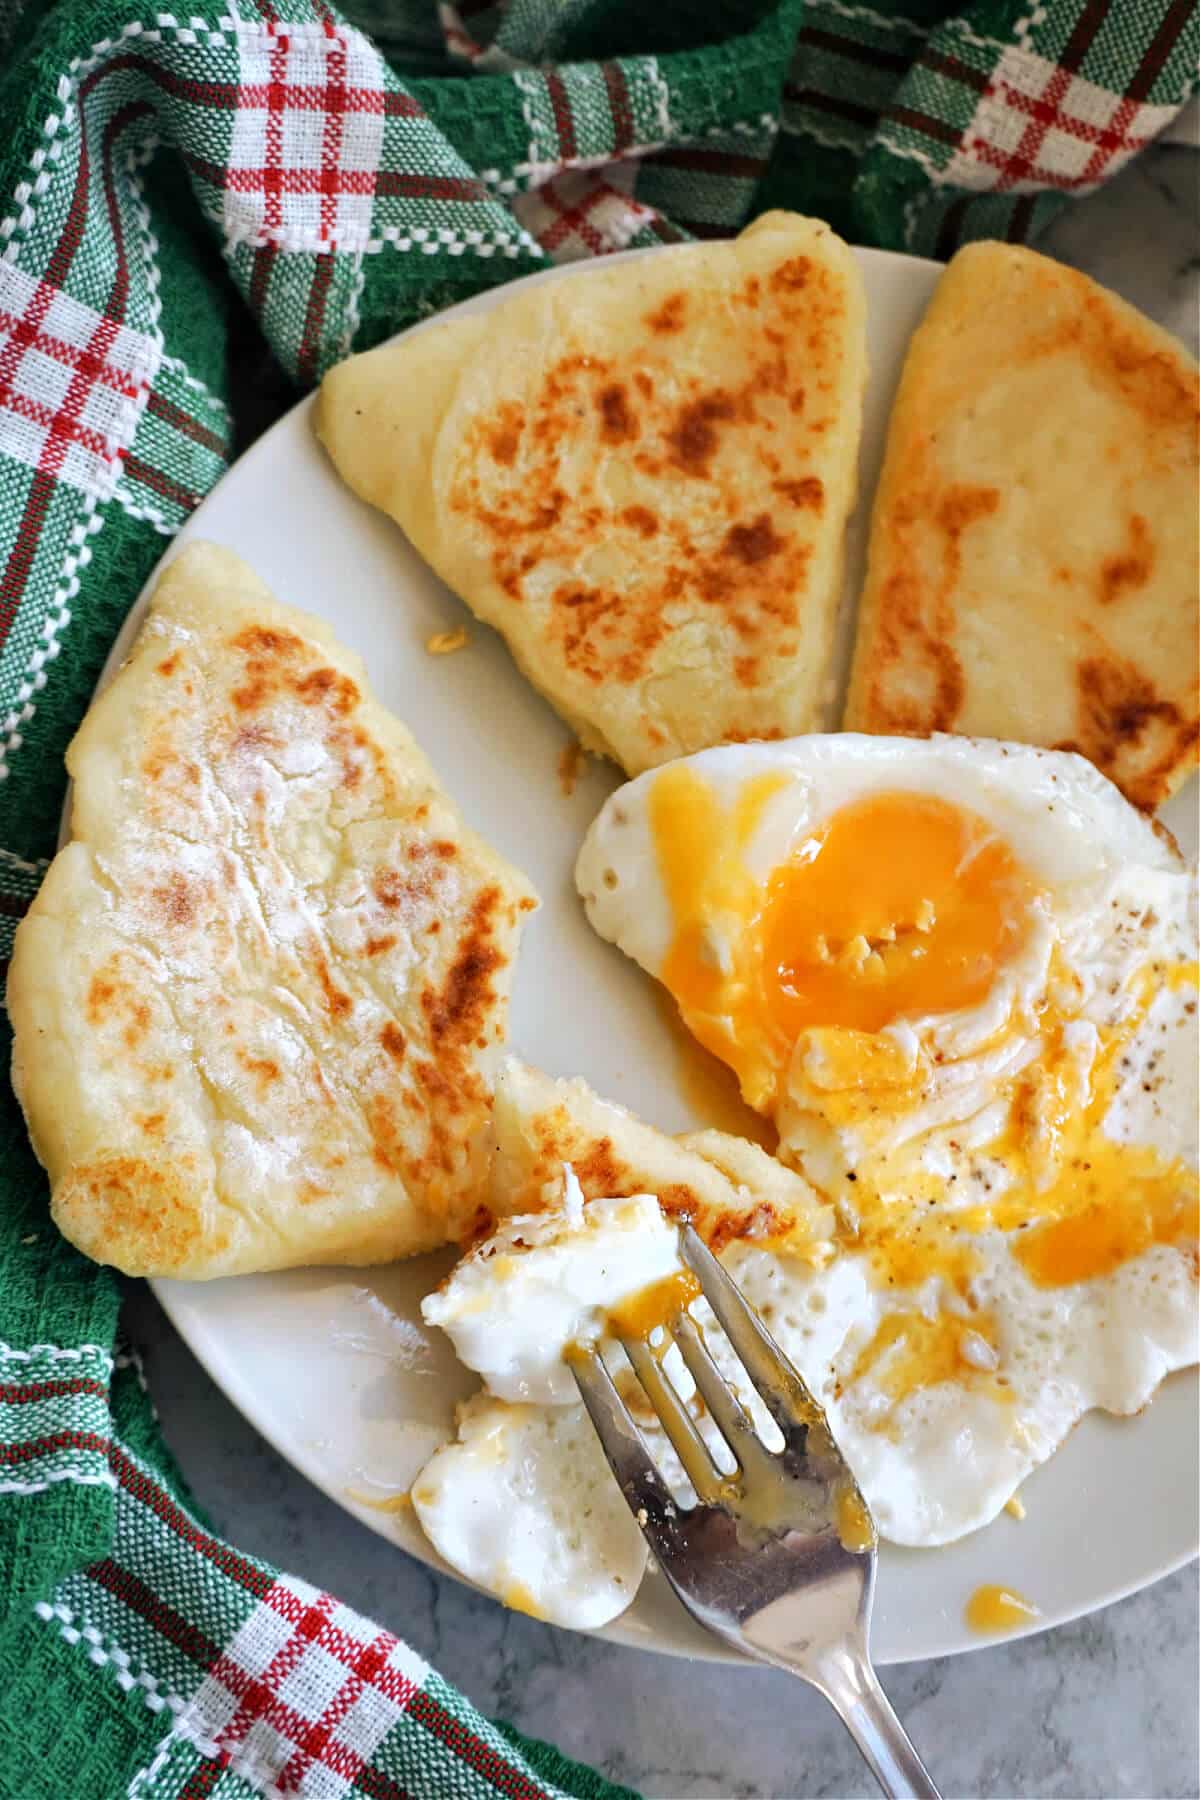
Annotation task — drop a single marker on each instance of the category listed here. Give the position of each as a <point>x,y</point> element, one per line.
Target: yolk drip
<point>910,1351</point>
<point>899,904</point>
<point>855,1527</point>
<point>515,1594</point>
<point>714,900</point>
<point>655,1305</point>
<point>1079,1203</point>
<point>993,1608</point>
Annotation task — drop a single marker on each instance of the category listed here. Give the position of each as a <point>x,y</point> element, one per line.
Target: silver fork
<point>760,1559</point>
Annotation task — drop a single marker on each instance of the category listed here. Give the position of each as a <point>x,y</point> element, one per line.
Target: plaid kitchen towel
<point>171,184</point>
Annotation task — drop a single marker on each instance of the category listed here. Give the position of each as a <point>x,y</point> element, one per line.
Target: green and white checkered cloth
<point>169,183</point>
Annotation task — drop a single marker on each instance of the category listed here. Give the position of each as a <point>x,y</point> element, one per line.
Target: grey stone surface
<point>1104,1707</point>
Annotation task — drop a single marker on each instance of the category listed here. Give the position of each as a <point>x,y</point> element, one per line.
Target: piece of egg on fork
<point>541,1282</point>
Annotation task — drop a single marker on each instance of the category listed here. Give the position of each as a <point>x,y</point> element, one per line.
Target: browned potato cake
<point>1035,542</point>
<point>640,475</point>
<point>257,1000</point>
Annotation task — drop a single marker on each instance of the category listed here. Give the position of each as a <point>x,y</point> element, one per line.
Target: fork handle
<point>850,1685</point>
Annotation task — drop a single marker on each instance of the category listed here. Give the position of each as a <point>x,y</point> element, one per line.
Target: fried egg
<point>961,978</point>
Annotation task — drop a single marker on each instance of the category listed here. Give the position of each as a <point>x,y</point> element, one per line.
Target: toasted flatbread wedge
<point>1035,543</point>
<point>730,1188</point>
<point>640,475</point>
<point>257,998</point>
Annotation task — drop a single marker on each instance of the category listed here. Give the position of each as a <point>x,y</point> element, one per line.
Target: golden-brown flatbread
<point>1035,543</point>
<point>730,1188</point>
<point>258,997</point>
<point>640,475</point>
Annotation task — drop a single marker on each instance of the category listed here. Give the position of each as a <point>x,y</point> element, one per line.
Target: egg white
<point>523,1505</point>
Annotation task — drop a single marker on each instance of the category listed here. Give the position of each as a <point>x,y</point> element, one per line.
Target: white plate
<point>335,1367</point>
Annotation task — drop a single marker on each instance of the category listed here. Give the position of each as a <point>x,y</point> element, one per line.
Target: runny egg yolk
<point>899,904</point>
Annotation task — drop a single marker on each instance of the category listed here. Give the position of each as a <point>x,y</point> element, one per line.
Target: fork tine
<point>646,1493</point>
<point>675,1420</point>
<point>784,1391</point>
<point>725,1409</point>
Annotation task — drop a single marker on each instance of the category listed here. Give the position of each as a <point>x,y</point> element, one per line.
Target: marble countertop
<point>1103,1707</point>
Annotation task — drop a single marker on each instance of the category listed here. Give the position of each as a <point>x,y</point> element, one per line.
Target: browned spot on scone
<point>268,640</point>
<point>100,995</point>
<point>1118,713</point>
<point>387,1133</point>
<point>599,1171</point>
<point>169,664</point>
<point>337,1002</point>
<point>267,652</point>
<point>917,684</point>
<point>375,946</point>
<point>807,494</point>
<point>326,687</point>
<point>134,1213</point>
<point>1132,569</point>
<point>255,736</point>
<point>963,504</point>
<point>793,274</point>
<point>174,900</point>
<point>271,656</point>
<point>458,1011</point>
<point>410,894</point>
<point>694,437</point>
<point>1149,379</point>
<point>754,543</point>
<point>264,1069</point>
<point>669,316</point>
<point>504,434</point>
<point>918,681</point>
<point>641,520</point>
<point>618,421</point>
<point>393,1040</point>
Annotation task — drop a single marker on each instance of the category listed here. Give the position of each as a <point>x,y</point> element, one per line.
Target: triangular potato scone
<point>640,475</point>
<point>730,1188</point>
<point>1035,541</point>
<point>257,999</point>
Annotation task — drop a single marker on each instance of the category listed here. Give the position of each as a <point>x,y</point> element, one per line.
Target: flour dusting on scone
<point>257,1000</point>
